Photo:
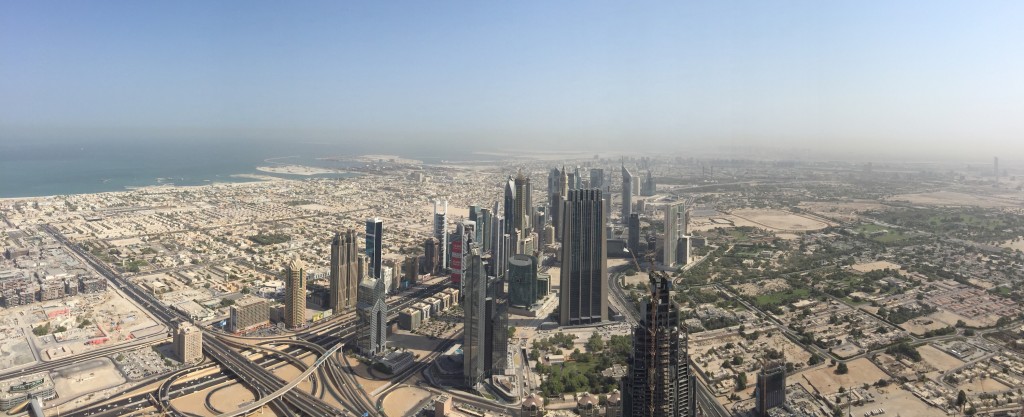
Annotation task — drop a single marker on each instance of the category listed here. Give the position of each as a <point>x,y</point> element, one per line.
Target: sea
<point>32,169</point>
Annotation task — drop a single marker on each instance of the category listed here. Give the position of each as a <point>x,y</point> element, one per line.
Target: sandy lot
<point>982,385</point>
<point>939,359</point>
<point>85,377</point>
<point>231,397</point>
<point>875,266</point>
<point>950,198</point>
<point>917,326</point>
<point>779,220</point>
<point>824,379</point>
<point>401,401</point>
<point>895,400</point>
<point>1018,245</point>
<point>841,210</point>
<point>763,287</point>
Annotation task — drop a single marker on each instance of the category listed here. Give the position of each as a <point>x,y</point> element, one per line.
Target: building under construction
<point>659,382</point>
<point>770,391</point>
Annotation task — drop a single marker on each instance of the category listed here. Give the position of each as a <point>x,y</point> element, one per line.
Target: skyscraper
<point>634,236</point>
<point>770,391</point>
<point>188,343</point>
<point>476,215</point>
<point>675,220</point>
<point>344,272</point>
<point>649,187</point>
<point>464,235</point>
<point>496,334</point>
<point>441,231</point>
<point>473,304</point>
<point>374,244</point>
<point>373,316</point>
<point>510,205</point>
<point>524,202</point>
<point>294,294</point>
<point>522,281</point>
<point>500,250</point>
<point>597,178</point>
<point>627,194</point>
<point>658,382</point>
<point>584,288</point>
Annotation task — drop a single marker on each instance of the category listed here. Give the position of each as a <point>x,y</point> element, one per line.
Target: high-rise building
<point>344,272</point>
<point>558,187</point>
<point>474,304</point>
<point>675,219</point>
<point>658,381</point>
<point>649,187</point>
<point>373,316</point>
<point>374,246</point>
<point>441,231</point>
<point>584,285</point>
<point>464,234</point>
<point>518,203</point>
<point>248,312</point>
<point>522,281</point>
<point>770,391</point>
<point>597,178</point>
<point>188,343</point>
<point>432,253</point>
<point>496,334</point>
<point>634,236</point>
<point>500,247</point>
<point>294,294</point>
<point>627,194</point>
<point>476,216</point>
<point>484,229</point>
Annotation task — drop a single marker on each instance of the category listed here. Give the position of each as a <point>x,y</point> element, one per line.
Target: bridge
<point>287,387</point>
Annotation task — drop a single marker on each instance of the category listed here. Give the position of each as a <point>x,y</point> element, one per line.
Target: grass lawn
<point>781,297</point>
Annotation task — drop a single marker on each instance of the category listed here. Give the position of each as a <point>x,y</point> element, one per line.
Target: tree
<point>741,381</point>
<point>961,400</point>
<point>842,368</point>
<point>595,343</point>
<point>511,332</point>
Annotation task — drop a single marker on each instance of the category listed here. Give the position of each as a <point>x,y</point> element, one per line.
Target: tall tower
<point>675,227</point>
<point>995,167</point>
<point>344,271</point>
<point>374,244</point>
<point>597,178</point>
<point>658,382</point>
<point>441,231</point>
<point>188,343</point>
<point>373,316</point>
<point>473,304</point>
<point>496,342</point>
<point>523,203</point>
<point>627,194</point>
<point>294,294</point>
<point>464,235</point>
<point>634,235</point>
<point>584,285</point>
<point>510,205</point>
<point>770,391</point>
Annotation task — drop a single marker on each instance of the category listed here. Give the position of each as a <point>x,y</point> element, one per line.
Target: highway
<point>248,373</point>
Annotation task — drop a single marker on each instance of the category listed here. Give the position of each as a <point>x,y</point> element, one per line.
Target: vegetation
<point>904,349</point>
<point>583,371</point>
<point>269,239</point>
<point>842,368</point>
<point>41,330</point>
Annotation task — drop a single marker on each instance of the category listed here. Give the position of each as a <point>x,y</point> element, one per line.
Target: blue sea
<point>58,168</point>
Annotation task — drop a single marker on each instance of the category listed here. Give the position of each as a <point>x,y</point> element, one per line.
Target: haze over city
<point>905,80</point>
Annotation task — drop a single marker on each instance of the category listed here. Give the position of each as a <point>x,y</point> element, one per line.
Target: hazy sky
<point>945,77</point>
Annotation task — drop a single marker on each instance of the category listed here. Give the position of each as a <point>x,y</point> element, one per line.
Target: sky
<point>925,78</point>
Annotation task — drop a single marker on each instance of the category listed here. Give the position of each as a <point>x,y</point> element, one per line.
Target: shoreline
<point>245,178</point>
